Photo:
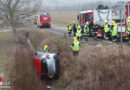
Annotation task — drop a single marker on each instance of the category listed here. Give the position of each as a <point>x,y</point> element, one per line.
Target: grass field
<point>61,19</point>
<point>96,68</point>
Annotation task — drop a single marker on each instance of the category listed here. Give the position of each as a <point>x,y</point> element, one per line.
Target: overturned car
<point>47,64</point>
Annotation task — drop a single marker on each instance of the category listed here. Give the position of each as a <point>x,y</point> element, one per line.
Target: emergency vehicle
<point>99,15</point>
<point>96,15</point>
<point>43,20</point>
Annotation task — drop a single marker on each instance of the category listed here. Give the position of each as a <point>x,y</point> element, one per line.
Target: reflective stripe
<point>79,34</point>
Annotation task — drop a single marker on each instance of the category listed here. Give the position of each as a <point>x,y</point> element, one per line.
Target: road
<point>62,31</point>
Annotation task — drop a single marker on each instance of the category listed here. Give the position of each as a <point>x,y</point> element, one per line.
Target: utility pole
<point>121,27</point>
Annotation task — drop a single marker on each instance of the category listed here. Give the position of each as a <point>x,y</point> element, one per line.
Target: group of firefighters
<point>84,31</point>
<point>80,32</point>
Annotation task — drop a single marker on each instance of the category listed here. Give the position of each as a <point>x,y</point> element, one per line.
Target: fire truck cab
<point>85,16</point>
<point>43,20</point>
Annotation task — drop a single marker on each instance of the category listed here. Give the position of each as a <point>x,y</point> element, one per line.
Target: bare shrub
<point>22,72</point>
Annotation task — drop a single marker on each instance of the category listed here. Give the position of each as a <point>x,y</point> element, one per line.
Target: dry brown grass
<point>21,72</point>
<point>102,68</point>
<point>61,19</point>
<point>96,68</point>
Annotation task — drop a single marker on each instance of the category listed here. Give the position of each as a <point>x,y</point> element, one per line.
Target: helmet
<point>69,22</point>
<point>74,22</point>
<point>87,23</point>
<point>106,21</point>
<point>46,46</point>
<point>79,27</point>
<point>129,17</point>
<point>75,38</point>
<point>113,22</point>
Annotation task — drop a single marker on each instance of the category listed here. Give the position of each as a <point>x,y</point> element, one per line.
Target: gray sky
<point>52,3</point>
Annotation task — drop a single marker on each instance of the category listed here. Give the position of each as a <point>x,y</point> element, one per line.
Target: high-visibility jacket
<point>75,45</point>
<point>115,30</point>
<point>128,28</point>
<point>86,29</point>
<point>106,27</point>
<point>70,27</point>
<point>79,34</point>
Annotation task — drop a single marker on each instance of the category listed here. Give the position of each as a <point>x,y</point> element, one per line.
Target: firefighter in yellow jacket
<point>114,31</point>
<point>75,46</point>
<point>79,33</point>
<point>70,28</point>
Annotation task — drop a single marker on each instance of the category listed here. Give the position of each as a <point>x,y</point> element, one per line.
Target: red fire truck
<point>110,14</point>
<point>43,20</point>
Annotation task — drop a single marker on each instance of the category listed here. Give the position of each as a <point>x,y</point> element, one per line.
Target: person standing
<point>82,27</point>
<point>74,28</point>
<point>86,31</point>
<point>75,46</point>
<point>70,27</point>
<point>106,30</point>
<point>114,31</point>
<point>79,34</point>
<point>95,30</point>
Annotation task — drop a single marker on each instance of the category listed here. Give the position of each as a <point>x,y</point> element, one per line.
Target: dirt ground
<point>61,19</point>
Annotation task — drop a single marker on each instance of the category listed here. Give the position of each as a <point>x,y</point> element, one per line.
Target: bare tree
<point>13,9</point>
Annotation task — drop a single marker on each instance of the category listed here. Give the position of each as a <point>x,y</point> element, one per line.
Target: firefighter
<point>75,46</point>
<point>86,31</point>
<point>45,49</point>
<point>74,28</point>
<point>70,27</point>
<point>95,29</point>
<point>82,27</point>
<point>106,30</point>
<point>114,31</point>
<point>79,34</point>
<point>128,30</point>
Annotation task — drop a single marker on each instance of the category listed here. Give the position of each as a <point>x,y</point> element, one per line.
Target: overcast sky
<point>52,3</point>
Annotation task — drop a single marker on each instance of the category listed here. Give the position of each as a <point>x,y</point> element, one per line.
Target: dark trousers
<point>69,32</point>
<point>114,38</point>
<point>74,34</point>
<point>95,35</point>
<point>107,35</point>
<point>75,53</point>
<point>79,38</point>
<point>86,37</point>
